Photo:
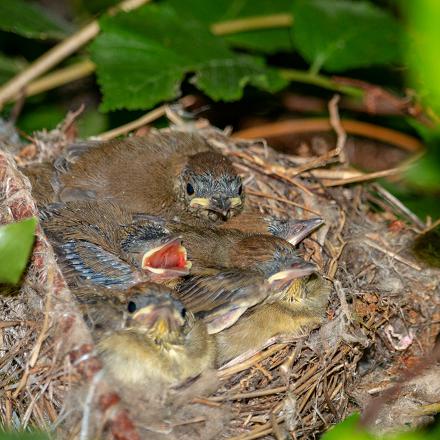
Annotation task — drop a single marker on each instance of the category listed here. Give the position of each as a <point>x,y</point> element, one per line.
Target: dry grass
<point>383,313</point>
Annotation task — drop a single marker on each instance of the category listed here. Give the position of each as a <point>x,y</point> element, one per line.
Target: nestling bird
<point>94,237</point>
<point>96,246</point>
<point>220,299</point>
<point>171,174</point>
<point>160,344</point>
<point>296,311</point>
<point>292,230</point>
<point>40,176</point>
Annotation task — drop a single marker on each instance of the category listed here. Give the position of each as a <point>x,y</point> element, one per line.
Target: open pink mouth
<point>169,259</point>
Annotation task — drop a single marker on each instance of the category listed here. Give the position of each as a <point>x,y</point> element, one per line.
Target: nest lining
<point>382,299</point>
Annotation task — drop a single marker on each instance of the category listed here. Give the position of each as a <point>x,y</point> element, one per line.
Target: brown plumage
<point>104,228</point>
<point>171,174</point>
<point>40,176</point>
<point>97,246</point>
<point>299,309</point>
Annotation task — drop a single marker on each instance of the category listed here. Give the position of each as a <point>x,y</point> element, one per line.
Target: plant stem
<point>56,54</point>
<point>60,77</point>
<point>325,82</point>
<point>252,23</point>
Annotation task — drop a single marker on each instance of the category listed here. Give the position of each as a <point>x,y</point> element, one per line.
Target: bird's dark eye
<point>131,307</point>
<point>183,312</point>
<point>240,190</point>
<point>190,189</point>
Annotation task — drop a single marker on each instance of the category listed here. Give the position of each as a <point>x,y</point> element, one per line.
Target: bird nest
<point>382,318</point>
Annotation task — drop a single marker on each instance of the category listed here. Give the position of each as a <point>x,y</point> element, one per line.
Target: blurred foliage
<point>30,20</point>
<point>10,67</point>
<point>342,34</point>
<point>140,62</point>
<point>23,435</point>
<point>167,48</point>
<point>349,429</point>
<point>423,59</point>
<point>16,241</point>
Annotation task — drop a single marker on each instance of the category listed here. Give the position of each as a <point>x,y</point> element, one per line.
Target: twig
<point>315,79</point>
<point>84,433</point>
<point>250,395</point>
<point>280,199</point>
<point>335,122</point>
<point>39,342</point>
<point>432,408</point>
<point>252,23</point>
<point>365,177</point>
<point>381,248</point>
<point>395,202</point>
<point>60,77</point>
<point>58,53</point>
<point>225,372</point>
<point>359,128</point>
<point>143,120</point>
<point>133,125</point>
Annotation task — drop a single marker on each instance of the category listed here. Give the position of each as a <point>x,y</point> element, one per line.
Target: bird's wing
<point>222,298</point>
<point>63,162</point>
<point>90,263</point>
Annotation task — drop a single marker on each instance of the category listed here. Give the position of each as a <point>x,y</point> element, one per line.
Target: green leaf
<point>341,34</point>
<point>144,55</point>
<point>16,240</point>
<point>9,67</point>
<point>23,435</point>
<point>30,20</point>
<point>264,40</point>
<point>348,429</point>
<point>423,49</point>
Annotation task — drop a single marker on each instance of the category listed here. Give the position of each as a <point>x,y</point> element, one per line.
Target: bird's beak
<point>299,269</point>
<point>300,229</point>
<point>162,318</point>
<point>199,201</point>
<point>223,205</point>
<point>235,201</point>
<point>169,260</point>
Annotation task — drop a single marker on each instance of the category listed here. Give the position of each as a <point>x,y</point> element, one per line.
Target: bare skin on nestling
<point>171,174</point>
<point>160,344</point>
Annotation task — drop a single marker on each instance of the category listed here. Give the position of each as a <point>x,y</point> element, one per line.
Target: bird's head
<point>157,313</point>
<point>273,257</point>
<point>210,188</point>
<point>156,250</point>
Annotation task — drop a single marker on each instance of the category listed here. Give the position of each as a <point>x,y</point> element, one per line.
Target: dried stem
<point>58,53</point>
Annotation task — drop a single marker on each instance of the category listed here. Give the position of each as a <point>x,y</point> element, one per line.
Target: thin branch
<point>305,77</point>
<point>133,125</point>
<point>60,77</point>
<point>252,23</point>
<point>365,129</point>
<point>143,120</point>
<point>57,53</point>
<point>335,122</point>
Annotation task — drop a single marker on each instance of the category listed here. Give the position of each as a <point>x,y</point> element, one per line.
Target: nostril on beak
<point>221,204</point>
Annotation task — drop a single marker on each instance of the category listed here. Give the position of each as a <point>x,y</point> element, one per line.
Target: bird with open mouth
<point>102,241</point>
<point>99,249</point>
